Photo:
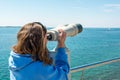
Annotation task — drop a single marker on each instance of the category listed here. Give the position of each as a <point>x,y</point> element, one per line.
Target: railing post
<point>82,75</point>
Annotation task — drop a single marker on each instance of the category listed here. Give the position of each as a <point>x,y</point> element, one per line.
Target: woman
<point>29,58</point>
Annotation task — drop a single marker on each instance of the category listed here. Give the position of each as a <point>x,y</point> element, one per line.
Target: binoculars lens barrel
<point>70,29</point>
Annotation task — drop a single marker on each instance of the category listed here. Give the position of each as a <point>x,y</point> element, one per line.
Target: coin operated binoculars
<point>70,29</point>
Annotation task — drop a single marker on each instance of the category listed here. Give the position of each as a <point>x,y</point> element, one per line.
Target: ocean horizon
<point>18,26</point>
<point>90,46</point>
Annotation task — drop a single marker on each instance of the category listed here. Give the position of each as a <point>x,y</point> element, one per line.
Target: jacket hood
<point>19,61</point>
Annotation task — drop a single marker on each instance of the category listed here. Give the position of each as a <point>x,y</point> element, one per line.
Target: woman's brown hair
<point>31,40</point>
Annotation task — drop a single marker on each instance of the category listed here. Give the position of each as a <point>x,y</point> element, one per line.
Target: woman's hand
<point>61,38</point>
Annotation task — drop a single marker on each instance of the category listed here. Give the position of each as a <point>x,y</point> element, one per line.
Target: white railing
<point>88,66</point>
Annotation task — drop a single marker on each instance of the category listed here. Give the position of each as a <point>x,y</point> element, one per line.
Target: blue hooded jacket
<point>22,67</point>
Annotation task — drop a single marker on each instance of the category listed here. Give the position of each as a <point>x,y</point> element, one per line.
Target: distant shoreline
<point>10,26</point>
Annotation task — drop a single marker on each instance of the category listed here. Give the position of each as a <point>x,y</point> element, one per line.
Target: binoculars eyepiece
<point>70,29</point>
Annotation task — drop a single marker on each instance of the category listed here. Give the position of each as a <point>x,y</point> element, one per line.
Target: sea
<point>90,46</point>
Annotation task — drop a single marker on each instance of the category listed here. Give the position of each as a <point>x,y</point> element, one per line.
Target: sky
<point>89,13</point>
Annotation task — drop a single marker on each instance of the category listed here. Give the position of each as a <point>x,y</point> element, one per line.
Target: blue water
<point>92,45</point>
